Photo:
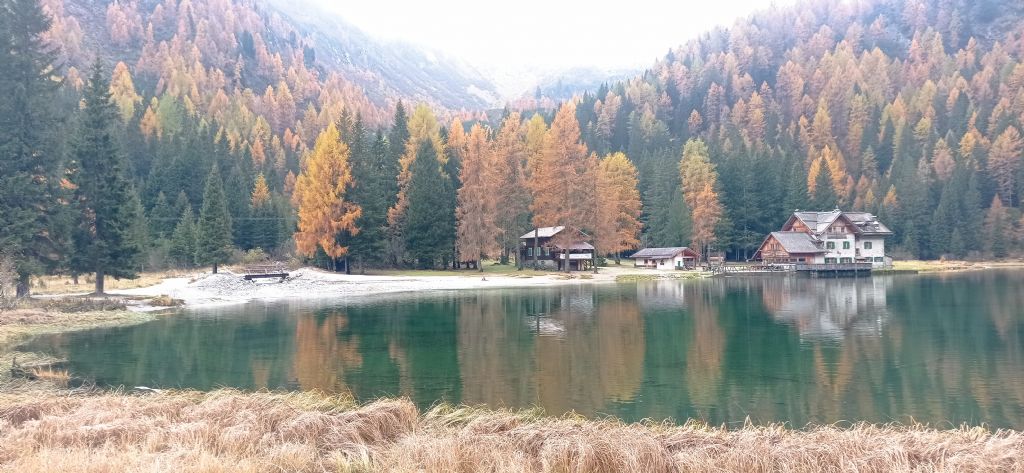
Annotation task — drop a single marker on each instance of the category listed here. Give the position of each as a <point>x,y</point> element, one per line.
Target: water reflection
<point>933,348</point>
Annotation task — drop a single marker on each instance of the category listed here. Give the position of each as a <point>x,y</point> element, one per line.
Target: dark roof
<point>660,252</point>
<point>544,232</point>
<point>796,242</point>
<point>866,223</point>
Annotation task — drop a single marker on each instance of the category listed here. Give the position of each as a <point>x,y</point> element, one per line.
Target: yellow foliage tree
<point>477,205</point>
<point>122,91</point>
<point>320,191</point>
<point>618,206</point>
<point>699,179</point>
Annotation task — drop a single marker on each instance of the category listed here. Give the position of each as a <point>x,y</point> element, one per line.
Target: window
<point>529,251</point>
<point>831,245</point>
<point>547,251</point>
<point>879,259</point>
<point>846,245</point>
<point>802,260</point>
<point>845,260</point>
<point>867,245</point>
<point>830,261</point>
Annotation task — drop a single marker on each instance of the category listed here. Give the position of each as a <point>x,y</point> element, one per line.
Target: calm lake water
<point>943,349</point>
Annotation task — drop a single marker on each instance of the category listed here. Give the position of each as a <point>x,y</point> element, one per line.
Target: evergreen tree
<point>428,231</point>
<point>183,241</point>
<point>104,241</point>
<point>796,190</point>
<point>29,158</point>
<point>823,197</point>
<point>369,171</point>
<point>213,235</point>
<point>162,217</point>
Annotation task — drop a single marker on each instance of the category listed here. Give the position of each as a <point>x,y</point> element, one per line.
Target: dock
<point>835,269</point>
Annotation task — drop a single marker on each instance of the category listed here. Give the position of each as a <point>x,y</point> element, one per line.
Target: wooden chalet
<point>666,258</point>
<point>550,247</point>
<point>827,238</point>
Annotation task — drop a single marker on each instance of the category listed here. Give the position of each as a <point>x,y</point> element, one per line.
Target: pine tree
<point>477,200</point>
<point>162,217</point>
<point>823,194</point>
<point>326,214</point>
<point>183,240</point>
<point>996,229</point>
<point>372,180</point>
<point>427,232</point>
<point>104,241</point>
<point>213,235</point>
<point>29,160</point>
<point>264,217</point>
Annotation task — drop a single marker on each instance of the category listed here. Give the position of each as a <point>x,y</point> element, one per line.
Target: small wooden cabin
<point>550,248</point>
<point>666,258</point>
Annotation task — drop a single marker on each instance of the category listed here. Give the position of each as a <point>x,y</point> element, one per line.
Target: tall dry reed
<point>230,431</point>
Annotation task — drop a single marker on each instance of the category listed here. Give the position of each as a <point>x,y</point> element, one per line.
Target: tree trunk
<point>99,281</point>
<point>568,261</point>
<point>348,270</point>
<point>214,268</point>
<point>479,265</point>
<point>24,288</point>
<point>74,278</point>
<point>536,241</point>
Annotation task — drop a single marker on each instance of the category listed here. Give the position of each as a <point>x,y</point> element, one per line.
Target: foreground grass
<point>47,430</point>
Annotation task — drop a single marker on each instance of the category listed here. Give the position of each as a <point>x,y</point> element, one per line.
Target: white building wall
<point>877,250</point>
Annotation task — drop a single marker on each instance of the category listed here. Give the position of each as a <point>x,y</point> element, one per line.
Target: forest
<point>202,132</point>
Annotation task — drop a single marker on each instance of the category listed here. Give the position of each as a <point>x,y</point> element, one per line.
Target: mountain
<point>387,68</point>
<point>264,43</point>
<point>910,109</point>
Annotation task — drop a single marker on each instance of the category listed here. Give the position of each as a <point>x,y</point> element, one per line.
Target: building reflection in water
<point>828,309</point>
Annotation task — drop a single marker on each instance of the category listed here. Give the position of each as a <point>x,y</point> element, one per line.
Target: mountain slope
<point>912,109</point>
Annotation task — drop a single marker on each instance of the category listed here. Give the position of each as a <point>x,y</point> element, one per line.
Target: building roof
<point>580,246</point>
<point>654,253</point>
<point>544,232</point>
<point>796,242</point>
<point>864,222</point>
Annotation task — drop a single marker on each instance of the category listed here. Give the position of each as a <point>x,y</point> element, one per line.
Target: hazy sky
<point>546,33</point>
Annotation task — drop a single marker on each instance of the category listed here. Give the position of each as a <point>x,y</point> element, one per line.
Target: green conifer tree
<point>428,233</point>
<point>183,241</point>
<point>105,242</point>
<point>29,160</point>
<point>213,236</point>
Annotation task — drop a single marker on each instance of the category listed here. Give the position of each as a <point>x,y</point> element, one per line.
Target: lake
<point>945,349</point>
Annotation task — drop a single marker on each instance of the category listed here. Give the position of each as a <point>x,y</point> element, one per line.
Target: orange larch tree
<point>617,225</point>
<point>320,191</point>
<point>510,162</point>
<point>699,179</point>
<point>477,199</point>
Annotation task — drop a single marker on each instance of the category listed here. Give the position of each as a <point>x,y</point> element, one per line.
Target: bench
<point>266,271</point>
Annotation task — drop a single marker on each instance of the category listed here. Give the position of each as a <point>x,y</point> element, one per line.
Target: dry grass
<point>62,284</point>
<point>42,431</point>
<point>20,324</point>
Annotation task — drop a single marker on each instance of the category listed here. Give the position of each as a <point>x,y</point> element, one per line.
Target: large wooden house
<point>834,237</point>
<point>550,248</point>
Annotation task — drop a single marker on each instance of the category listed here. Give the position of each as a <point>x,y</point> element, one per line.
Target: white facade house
<point>834,237</point>
<point>665,258</point>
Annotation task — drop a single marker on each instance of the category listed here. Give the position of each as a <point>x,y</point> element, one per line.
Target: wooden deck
<point>836,269</point>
